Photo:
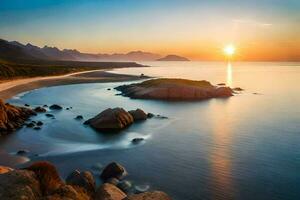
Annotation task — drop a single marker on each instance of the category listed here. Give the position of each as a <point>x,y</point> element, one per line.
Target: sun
<point>229,50</point>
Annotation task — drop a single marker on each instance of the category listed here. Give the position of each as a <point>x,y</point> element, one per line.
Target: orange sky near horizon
<point>261,31</point>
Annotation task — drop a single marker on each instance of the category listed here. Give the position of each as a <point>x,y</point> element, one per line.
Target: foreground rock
<point>42,181</point>
<point>111,120</point>
<point>82,179</point>
<point>109,192</point>
<point>156,195</point>
<point>13,117</point>
<point>174,89</point>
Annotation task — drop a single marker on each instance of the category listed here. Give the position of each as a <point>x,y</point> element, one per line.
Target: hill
<point>173,58</point>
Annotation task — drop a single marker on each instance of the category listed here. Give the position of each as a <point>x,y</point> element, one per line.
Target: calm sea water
<point>243,147</point>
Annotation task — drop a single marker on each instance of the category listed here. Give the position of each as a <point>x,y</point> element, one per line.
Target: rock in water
<point>55,107</point>
<point>40,109</point>
<point>111,120</point>
<point>109,192</point>
<point>174,89</point>
<point>138,114</point>
<point>82,179</point>
<point>113,170</point>
<point>13,117</point>
<point>156,195</point>
<point>137,140</point>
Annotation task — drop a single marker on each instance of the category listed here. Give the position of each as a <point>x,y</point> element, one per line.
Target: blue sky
<point>188,27</point>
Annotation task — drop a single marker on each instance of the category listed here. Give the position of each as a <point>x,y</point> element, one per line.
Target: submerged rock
<point>49,115</point>
<point>174,89</point>
<point>55,107</point>
<point>22,152</point>
<point>111,120</point>
<point>113,170</point>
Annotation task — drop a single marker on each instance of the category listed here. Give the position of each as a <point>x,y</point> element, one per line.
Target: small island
<point>173,58</point>
<point>174,89</point>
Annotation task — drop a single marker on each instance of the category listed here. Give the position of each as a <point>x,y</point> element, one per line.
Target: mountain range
<point>16,50</point>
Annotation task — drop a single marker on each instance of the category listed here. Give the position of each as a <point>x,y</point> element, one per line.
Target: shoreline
<point>9,89</point>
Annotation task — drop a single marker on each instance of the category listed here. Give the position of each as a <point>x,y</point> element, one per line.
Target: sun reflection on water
<point>229,74</point>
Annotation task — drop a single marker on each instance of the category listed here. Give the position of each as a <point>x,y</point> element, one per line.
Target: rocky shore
<point>41,180</point>
<point>174,89</point>
<point>13,117</point>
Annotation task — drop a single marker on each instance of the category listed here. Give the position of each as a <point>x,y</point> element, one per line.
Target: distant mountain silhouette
<point>173,58</point>
<point>16,50</point>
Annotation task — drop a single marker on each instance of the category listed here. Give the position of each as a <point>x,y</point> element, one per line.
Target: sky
<point>260,30</point>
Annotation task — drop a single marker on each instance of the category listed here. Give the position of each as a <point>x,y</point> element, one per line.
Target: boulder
<point>68,192</point>
<point>4,169</point>
<point>150,115</point>
<point>111,120</point>
<point>47,176</point>
<point>113,170</point>
<point>155,195</point>
<point>40,109</point>
<point>82,179</point>
<point>138,114</point>
<point>19,184</point>
<point>55,107</point>
<point>109,192</point>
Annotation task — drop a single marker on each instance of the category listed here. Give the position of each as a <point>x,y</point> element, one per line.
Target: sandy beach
<point>11,88</point>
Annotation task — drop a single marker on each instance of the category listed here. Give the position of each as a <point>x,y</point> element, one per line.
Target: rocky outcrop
<point>13,117</point>
<point>19,184</point>
<point>41,181</point>
<point>111,120</point>
<point>174,89</point>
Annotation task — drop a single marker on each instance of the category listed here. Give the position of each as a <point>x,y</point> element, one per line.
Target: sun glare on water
<point>229,50</point>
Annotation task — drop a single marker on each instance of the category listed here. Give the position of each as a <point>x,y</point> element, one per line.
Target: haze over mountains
<point>16,50</point>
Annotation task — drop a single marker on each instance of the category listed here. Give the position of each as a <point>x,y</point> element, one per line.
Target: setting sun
<point>229,50</point>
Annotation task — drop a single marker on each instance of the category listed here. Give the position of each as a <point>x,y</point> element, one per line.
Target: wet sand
<point>11,88</point>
